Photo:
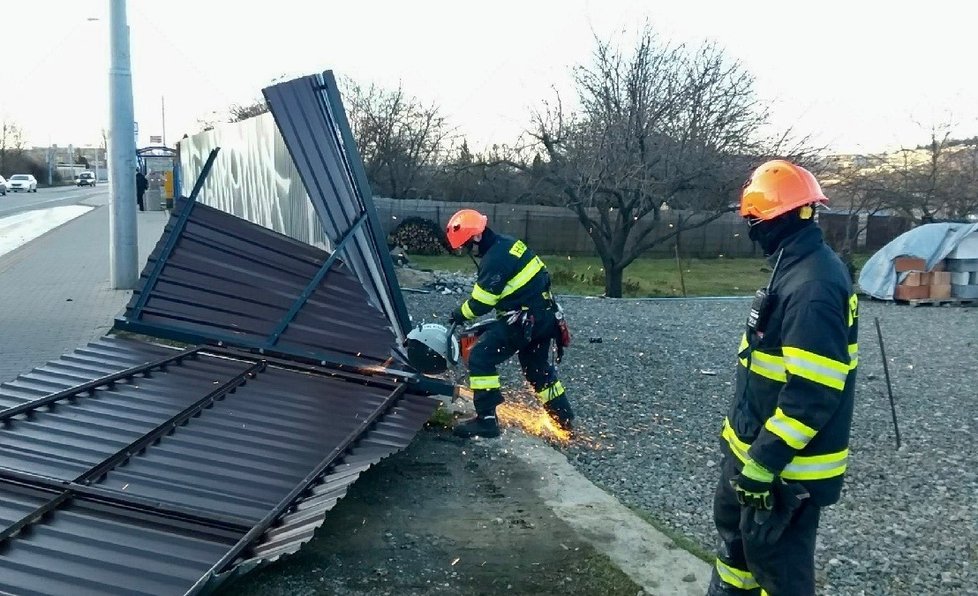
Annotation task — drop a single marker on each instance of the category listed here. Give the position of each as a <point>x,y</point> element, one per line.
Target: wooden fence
<point>555,230</point>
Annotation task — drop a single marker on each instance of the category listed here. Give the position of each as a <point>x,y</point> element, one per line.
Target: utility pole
<point>123,248</point>
<point>163,110</point>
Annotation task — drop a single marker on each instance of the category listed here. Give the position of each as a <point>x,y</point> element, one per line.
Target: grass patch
<point>442,418</point>
<point>643,278</point>
<point>604,576</point>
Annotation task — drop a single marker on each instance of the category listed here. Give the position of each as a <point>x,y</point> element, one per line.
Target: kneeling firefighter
<point>514,281</point>
<point>785,439</point>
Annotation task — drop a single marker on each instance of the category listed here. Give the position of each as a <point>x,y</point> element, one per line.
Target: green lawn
<point>644,277</point>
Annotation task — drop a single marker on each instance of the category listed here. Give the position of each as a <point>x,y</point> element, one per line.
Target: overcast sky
<point>860,76</point>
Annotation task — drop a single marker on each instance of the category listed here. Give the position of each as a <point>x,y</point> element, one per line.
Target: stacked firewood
<point>419,236</point>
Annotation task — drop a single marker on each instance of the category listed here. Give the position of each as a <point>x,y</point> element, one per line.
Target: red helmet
<point>463,226</point>
<point>777,187</point>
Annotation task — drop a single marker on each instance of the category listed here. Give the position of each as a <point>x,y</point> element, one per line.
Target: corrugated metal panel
<point>146,474</point>
<point>310,116</point>
<point>65,440</point>
<point>130,468</point>
<point>254,178</point>
<point>392,433</point>
<point>242,456</point>
<point>227,280</point>
<point>90,548</point>
<point>298,524</point>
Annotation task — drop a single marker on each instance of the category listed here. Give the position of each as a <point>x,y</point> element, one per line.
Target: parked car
<point>85,178</point>
<point>3,187</point>
<point>22,182</point>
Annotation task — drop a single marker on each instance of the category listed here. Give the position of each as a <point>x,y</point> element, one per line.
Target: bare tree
<point>11,145</point>
<point>962,181</point>
<point>401,140</point>
<point>916,178</point>
<point>857,193</point>
<point>14,159</point>
<point>659,128</point>
<point>465,176</point>
<point>239,112</point>
<point>931,182</point>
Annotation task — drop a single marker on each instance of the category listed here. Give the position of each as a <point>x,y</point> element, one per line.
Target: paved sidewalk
<point>55,293</point>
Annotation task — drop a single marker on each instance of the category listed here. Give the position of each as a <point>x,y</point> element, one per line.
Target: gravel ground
<point>650,398</point>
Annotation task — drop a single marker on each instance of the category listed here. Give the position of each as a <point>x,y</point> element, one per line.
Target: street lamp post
<point>123,247</point>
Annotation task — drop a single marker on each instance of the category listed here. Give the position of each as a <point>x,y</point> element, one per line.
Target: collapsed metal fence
<point>135,466</point>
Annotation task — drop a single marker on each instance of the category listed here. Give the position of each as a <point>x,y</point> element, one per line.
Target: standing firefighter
<point>786,437</point>
<point>514,281</point>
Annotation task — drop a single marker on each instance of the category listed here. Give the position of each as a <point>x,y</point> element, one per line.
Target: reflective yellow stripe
<point>766,365</point>
<point>523,277</point>
<point>751,469</point>
<point>483,296</point>
<point>816,368</point>
<point>792,431</point>
<point>817,467</point>
<point>756,471</point>
<point>552,391</point>
<point>853,356</point>
<point>737,578</point>
<point>467,310</point>
<point>488,382</point>
<point>812,467</point>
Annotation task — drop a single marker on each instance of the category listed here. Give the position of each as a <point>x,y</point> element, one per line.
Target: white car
<point>86,178</point>
<point>3,187</point>
<point>22,182</point>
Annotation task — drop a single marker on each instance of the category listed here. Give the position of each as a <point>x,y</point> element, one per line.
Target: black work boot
<point>477,426</point>
<point>560,410</point>
<point>719,587</point>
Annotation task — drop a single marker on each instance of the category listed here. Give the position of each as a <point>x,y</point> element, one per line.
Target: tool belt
<point>523,320</point>
<point>520,319</point>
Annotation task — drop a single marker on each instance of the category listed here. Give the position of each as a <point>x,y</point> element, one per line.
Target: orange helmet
<point>463,226</point>
<point>777,187</point>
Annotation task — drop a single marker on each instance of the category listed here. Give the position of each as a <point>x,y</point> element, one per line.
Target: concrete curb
<point>649,557</point>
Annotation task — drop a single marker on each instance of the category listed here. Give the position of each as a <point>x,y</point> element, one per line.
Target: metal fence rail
<point>128,467</point>
<point>237,472</point>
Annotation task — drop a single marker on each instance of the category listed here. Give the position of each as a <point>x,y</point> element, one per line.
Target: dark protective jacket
<point>795,383</point>
<point>511,277</point>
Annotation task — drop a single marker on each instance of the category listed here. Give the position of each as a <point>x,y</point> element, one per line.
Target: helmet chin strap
<point>468,250</point>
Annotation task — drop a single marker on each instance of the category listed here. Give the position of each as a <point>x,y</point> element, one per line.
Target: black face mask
<point>480,248</point>
<point>770,234</point>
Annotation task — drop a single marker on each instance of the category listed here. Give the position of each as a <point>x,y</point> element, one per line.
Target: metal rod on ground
<point>889,388</point>
<point>682,280</point>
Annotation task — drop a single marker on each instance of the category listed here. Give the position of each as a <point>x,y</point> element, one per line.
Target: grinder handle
<point>452,357</point>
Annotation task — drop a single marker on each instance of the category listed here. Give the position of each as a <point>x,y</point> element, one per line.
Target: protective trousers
<point>497,345</point>
<point>786,568</point>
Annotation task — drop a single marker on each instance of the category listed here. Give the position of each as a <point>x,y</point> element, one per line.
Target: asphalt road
<point>18,202</point>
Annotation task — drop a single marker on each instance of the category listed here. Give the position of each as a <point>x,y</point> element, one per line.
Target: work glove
<point>457,318</point>
<point>753,493</point>
<point>765,526</point>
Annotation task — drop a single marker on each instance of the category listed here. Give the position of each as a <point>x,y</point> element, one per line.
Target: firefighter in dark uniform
<point>785,439</point>
<point>515,282</point>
